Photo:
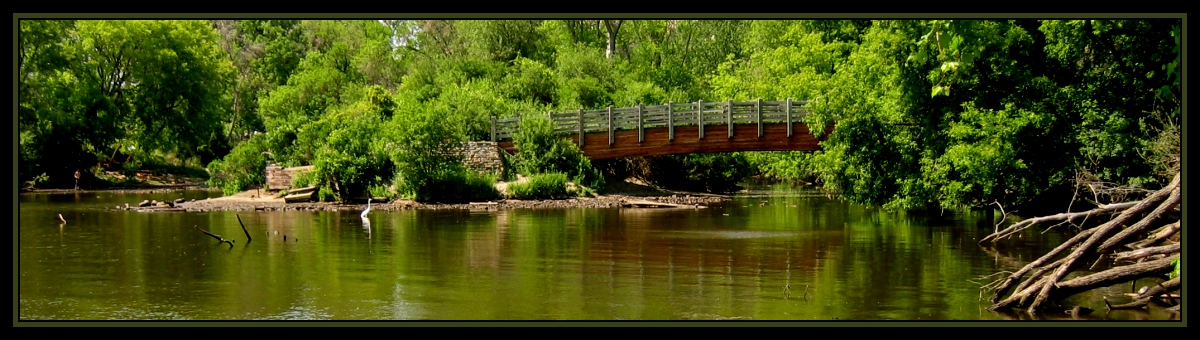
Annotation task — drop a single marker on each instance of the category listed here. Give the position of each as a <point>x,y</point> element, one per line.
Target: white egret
<point>365,212</point>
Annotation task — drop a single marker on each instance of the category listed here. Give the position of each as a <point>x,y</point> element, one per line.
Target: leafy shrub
<point>242,169</point>
<point>540,186</point>
<point>418,147</point>
<point>304,179</point>
<point>350,161</point>
<point>541,151</point>
<point>458,185</point>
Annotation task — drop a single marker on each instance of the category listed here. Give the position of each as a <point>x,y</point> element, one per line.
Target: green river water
<point>774,253</point>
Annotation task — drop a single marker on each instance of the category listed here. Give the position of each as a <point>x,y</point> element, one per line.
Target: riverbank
<point>618,194</point>
<point>144,182</point>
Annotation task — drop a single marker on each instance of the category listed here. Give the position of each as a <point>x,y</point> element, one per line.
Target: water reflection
<point>366,225</point>
<point>794,257</point>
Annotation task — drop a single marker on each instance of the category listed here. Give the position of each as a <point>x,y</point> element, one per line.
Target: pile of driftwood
<point>1141,238</point>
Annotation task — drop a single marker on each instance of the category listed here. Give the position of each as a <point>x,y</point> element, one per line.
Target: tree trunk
<point>613,28</point>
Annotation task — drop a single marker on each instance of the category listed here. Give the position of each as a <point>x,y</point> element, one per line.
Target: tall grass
<point>541,186</point>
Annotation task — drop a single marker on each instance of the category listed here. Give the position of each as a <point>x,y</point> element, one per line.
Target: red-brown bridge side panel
<point>687,140</point>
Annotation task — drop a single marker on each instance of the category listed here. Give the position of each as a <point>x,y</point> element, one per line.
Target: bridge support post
<point>580,128</point>
<point>700,116</point>
<point>670,121</point>
<point>788,113</point>
<point>758,113</point>
<point>493,128</point>
<point>611,136</point>
<point>729,117</point>
<point>641,130</point>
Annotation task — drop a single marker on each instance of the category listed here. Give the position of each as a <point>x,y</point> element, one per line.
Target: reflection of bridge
<point>678,129</point>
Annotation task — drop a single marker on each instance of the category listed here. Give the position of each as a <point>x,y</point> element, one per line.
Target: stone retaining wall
<point>279,178</point>
<point>484,157</point>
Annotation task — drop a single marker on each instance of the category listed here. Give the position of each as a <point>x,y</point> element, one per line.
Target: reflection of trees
<point>907,267</point>
<point>534,264</point>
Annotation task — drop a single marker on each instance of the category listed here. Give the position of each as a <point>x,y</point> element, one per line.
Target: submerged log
<point>248,238</point>
<point>1162,288</point>
<point>218,237</point>
<point>1142,299</point>
<point>1084,283</point>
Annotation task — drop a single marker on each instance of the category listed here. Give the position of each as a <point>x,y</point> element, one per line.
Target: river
<point>775,253</point>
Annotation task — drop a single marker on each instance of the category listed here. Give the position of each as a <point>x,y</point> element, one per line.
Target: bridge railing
<point>671,115</point>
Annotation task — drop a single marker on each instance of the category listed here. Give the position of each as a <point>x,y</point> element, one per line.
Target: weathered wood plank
<point>657,142</point>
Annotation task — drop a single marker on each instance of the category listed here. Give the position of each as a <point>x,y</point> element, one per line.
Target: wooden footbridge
<point>678,128</point>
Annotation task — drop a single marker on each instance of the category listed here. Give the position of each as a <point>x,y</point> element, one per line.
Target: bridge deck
<point>687,140</point>
<point>674,128</point>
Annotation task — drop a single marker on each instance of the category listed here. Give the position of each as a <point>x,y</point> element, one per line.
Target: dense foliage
<point>540,151</point>
<point>929,113</point>
<point>953,114</point>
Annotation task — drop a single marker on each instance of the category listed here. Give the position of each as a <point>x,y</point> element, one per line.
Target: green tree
<point>106,87</point>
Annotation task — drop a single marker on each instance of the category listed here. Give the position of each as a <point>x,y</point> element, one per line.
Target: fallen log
<point>1102,232</point>
<point>1047,281</point>
<point>1066,217</point>
<point>1081,284</point>
<point>1000,290</point>
<point>160,209</point>
<point>1143,223</point>
<point>644,203</point>
<point>1146,252</point>
<point>1136,304</point>
<point>1160,296</point>
<point>1159,235</point>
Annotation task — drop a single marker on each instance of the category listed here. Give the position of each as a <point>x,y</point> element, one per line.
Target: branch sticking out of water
<point>218,237</point>
<point>248,239</point>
